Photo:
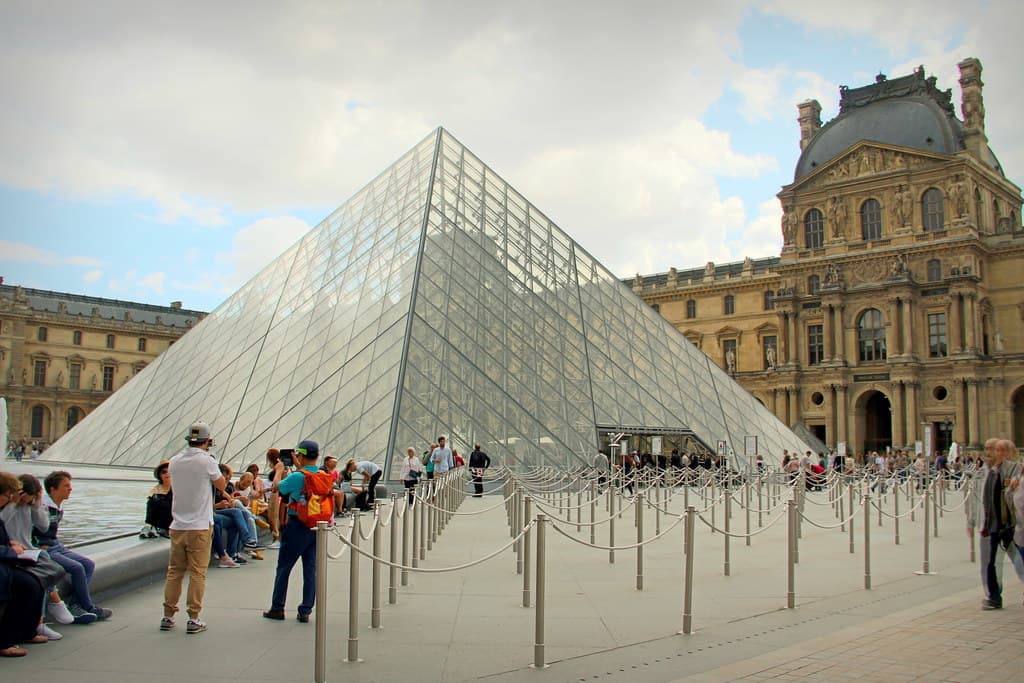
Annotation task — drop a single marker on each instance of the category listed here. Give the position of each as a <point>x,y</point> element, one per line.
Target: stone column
<point>783,339</point>
<point>896,407</point>
<point>842,414</point>
<point>830,414</point>
<point>908,327</point>
<point>911,433</point>
<point>970,321</point>
<point>827,331</point>
<point>840,332</point>
<point>794,405</point>
<point>794,339</point>
<point>955,337</point>
<point>960,428</point>
<point>973,413</point>
<point>775,402</point>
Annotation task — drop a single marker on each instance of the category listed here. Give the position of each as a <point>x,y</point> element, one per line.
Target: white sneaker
<point>60,612</point>
<point>227,563</point>
<point>44,630</point>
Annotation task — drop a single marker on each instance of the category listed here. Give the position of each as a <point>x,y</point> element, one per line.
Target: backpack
<point>316,502</point>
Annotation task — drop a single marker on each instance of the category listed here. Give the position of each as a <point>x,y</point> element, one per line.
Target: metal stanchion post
<point>657,510</point>
<point>727,535</point>
<point>528,512</point>
<point>896,514</point>
<point>393,569</point>
<point>320,663</point>
<point>579,509</point>
<point>353,592</point>
<point>746,493</point>
<point>375,575</point>
<point>517,519</point>
<point>639,539</point>
<point>867,541</point>
<point>791,559</point>
<point>405,543</point>
<point>760,507</point>
<point>926,567</point>
<point>431,513</point>
<point>691,516</point>
<point>849,494</point>
<point>611,531</point>
<point>714,504</point>
<point>538,641</point>
<point>936,509</point>
<point>593,512</point>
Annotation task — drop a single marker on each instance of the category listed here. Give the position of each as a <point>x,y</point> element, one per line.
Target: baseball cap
<point>308,449</point>
<point>198,432</point>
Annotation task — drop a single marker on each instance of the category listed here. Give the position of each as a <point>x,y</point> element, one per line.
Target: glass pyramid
<point>437,300</point>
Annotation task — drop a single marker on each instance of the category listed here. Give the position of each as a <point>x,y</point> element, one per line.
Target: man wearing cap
<point>296,539</point>
<point>192,471</point>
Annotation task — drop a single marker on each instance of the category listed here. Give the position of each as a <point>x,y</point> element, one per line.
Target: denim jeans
<point>79,569</point>
<point>236,528</point>
<point>296,541</point>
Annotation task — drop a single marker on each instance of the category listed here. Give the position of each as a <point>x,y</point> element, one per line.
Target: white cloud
<point>759,90</point>
<point>18,251</point>
<point>92,276</point>
<point>154,281</point>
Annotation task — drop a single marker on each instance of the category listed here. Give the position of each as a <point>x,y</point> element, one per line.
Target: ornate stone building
<point>61,354</point>
<point>895,312</point>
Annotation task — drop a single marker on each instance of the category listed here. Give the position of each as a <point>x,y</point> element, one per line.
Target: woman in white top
<point>412,468</point>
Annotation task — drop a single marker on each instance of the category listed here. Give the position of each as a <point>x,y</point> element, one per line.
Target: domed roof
<point>907,112</point>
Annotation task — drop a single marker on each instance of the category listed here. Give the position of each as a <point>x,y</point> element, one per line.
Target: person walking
<point>442,457</point>
<point>411,471</point>
<point>192,471</point>
<point>991,512</point>
<point>297,539</point>
<point>478,462</point>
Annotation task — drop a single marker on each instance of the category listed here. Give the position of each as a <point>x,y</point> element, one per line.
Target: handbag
<point>45,570</point>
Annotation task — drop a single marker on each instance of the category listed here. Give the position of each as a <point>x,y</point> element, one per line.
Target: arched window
<point>691,308</point>
<point>41,334</point>
<point>769,300</point>
<point>931,210</point>
<point>871,335</point>
<point>74,415</point>
<point>979,210</point>
<point>813,284</point>
<point>934,270</point>
<point>729,304</point>
<point>871,220</point>
<point>814,229</point>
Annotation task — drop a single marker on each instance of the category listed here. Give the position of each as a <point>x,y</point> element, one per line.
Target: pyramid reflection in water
<point>440,280</point>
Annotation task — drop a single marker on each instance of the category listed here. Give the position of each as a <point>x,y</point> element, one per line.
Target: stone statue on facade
<point>789,220</point>
<point>769,357</point>
<point>998,339</point>
<point>832,274</point>
<point>837,215</point>
<point>958,196</point>
<point>730,361</point>
<point>898,266</point>
<point>60,378</point>
<point>10,377</point>
<point>709,269</point>
<point>92,383</point>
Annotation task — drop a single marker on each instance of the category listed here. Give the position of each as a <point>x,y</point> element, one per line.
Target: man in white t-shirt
<point>442,457</point>
<point>192,471</point>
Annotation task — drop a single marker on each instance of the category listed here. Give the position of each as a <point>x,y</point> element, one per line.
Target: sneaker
<point>255,554</point>
<point>81,615</point>
<point>988,604</point>
<point>254,545</point>
<point>276,545</point>
<point>239,559</point>
<point>44,630</point>
<point>167,623</point>
<point>227,563</point>
<point>60,613</point>
<point>101,612</point>
<point>195,626</point>
<point>144,532</point>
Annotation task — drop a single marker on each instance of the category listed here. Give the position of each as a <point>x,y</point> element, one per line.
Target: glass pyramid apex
<point>437,300</point>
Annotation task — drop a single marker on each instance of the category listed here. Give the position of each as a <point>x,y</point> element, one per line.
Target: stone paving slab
<point>471,625</point>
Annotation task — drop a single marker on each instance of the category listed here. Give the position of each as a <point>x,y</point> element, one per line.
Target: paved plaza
<point>470,624</point>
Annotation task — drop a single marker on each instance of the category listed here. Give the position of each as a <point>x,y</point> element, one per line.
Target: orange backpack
<point>316,502</point>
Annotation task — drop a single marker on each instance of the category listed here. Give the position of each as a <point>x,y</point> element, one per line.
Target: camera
<point>287,457</point>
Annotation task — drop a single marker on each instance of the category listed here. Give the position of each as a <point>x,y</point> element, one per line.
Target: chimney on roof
<point>176,305</point>
<point>809,120</point>
<point>973,106</point>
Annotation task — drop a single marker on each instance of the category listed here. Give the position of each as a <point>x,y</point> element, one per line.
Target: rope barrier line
<point>439,570</point>
<point>914,508</point>
<point>631,546</point>
<point>833,526</point>
<point>730,534</point>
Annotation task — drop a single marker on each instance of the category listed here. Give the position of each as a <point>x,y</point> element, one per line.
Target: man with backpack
<point>309,494</point>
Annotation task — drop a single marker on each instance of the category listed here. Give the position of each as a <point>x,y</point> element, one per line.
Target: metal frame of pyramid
<point>437,300</point>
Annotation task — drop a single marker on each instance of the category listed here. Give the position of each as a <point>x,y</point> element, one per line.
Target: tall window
<point>871,335</point>
<point>815,344</point>
<point>75,376</point>
<point>979,210</point>
<point>76,337</point>
<point>142,340</point>
<point>729,304</point>
<point>110,341</point>
<point>42,334</point>
<point>934,270</point>
<point>769,300</point>
<point>937,335</point>
<point>39,378</point>
<point>813,284</point>
<point>931,210</point>
<point>814,229</point>
<point>38,415</point>
<point>108,378</point>
<point>74,415</point>
<point>691,308</point>
<point>871,220</point>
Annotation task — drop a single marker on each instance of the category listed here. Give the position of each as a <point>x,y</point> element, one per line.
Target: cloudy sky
<point>156,151</point>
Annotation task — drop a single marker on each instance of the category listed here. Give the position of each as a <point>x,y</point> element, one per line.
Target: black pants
<point>992,554</point>
<point>20,616</point>
<point>371,489</point>
<point>410,486</point>
<point>478,482</point>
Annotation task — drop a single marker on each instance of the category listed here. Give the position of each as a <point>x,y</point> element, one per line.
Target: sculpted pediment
<point>867,159</point>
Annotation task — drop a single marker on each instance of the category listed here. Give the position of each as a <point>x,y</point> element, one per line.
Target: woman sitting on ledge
<point>158,505</point>
<point>20,594</point>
